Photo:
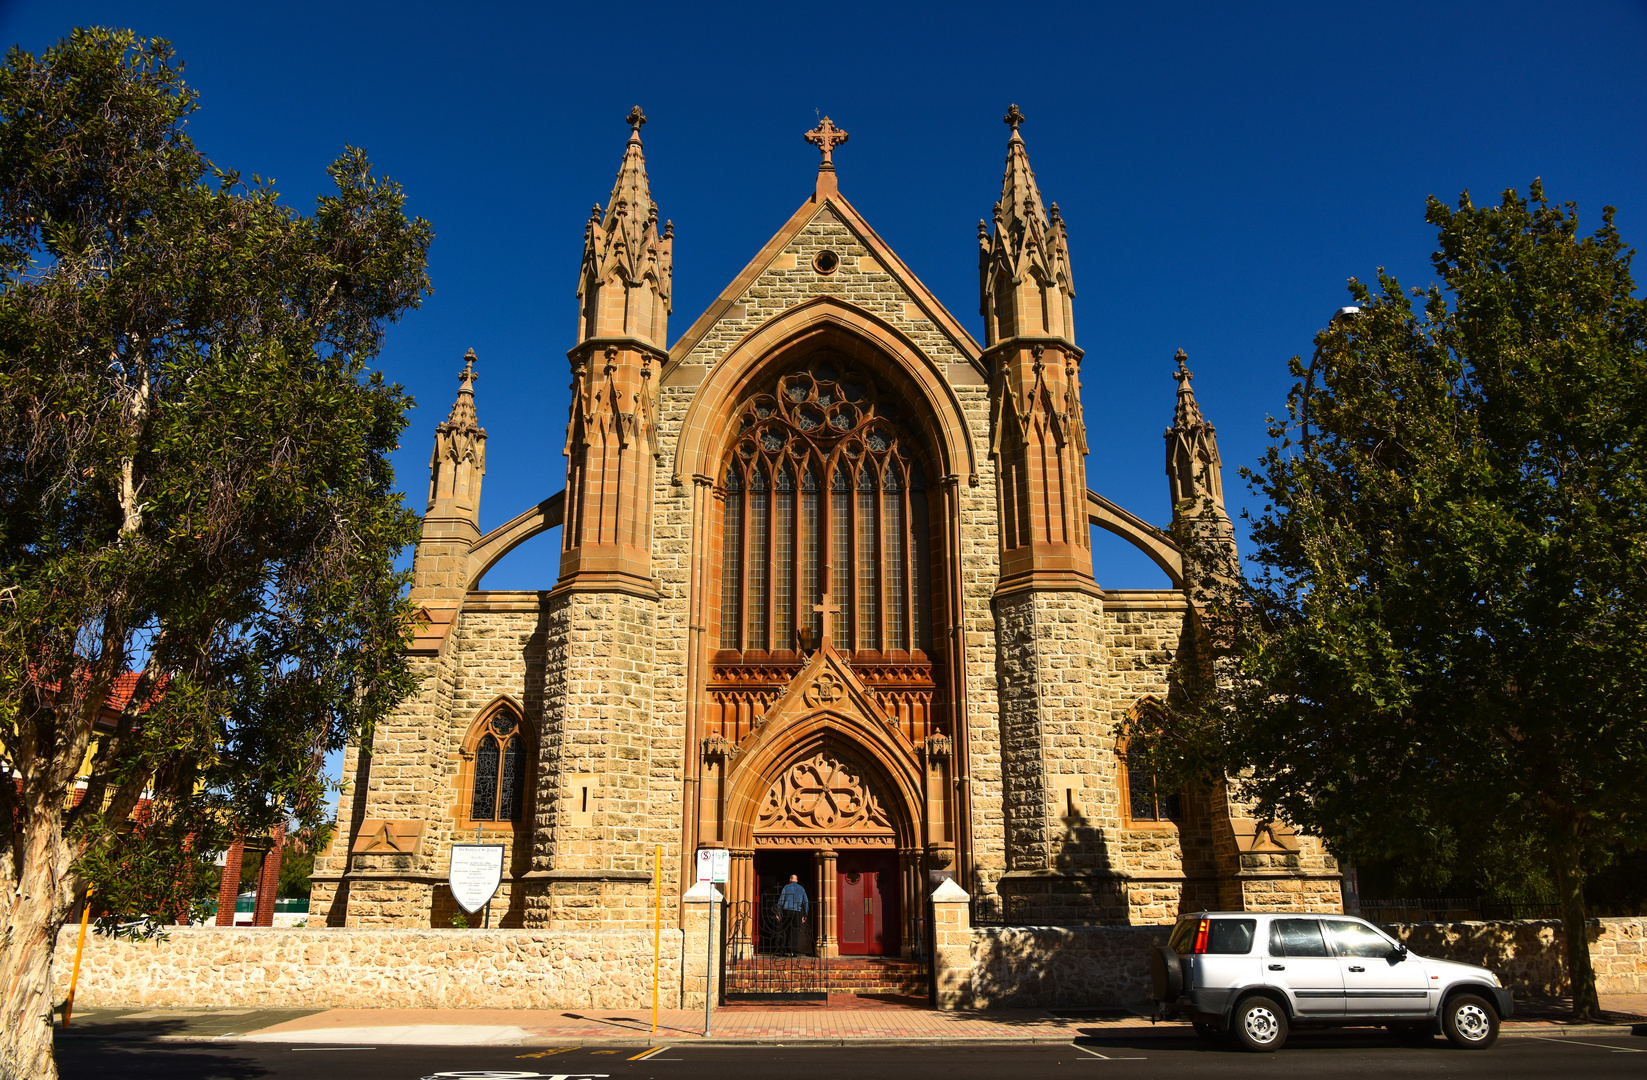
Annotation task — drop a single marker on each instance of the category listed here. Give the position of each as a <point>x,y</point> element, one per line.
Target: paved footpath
<point>844,1020</point>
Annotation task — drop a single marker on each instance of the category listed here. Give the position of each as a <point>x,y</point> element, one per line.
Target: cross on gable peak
<point>1013,118</point>
<point>826,136</point>
<point>636,119</point>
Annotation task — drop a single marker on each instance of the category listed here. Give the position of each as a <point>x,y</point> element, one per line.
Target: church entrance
<point>780,928</point>
<point>868,909</point>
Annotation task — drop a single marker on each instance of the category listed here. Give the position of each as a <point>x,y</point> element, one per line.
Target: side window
<point>1297,937</point>
<point>1356,939</point>
<point>1231,936</point>
<point>1182,940</point>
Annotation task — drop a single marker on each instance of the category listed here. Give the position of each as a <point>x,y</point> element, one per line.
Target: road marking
<point>1599,1046</point>
<point>547,1053</point>
<point>644,1054</point>
<point>304,1049</point>
<point>603,1051</point>
<point>1104,1057</point>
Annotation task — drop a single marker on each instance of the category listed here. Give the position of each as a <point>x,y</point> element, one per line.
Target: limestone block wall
<point>1531,955</point>
<point>1041,966</point>
<point>597,814</point>
<point>495,649</point>
<point>375,968</point>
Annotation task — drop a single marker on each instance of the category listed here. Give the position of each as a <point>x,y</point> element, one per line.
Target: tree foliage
<point>194,485</point>
<point>1442,648</point>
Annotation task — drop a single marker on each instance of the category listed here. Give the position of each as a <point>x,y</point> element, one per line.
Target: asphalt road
<point>1310,1054</point>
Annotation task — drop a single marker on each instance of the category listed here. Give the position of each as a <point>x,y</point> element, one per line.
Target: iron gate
<point>769,954</point>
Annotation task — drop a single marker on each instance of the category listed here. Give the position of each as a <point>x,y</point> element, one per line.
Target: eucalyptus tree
<point>198,519</point>
<point>1442,645</point>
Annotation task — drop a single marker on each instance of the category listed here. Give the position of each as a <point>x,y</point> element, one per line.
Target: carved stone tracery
<point>822,794</point>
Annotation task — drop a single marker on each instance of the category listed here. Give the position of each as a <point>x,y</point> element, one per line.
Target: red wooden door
<point>866,905</point>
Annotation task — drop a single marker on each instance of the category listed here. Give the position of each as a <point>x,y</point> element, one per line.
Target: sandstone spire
<point>1039,437</point>
<point>1195,483</point>
<point>451,524</point>
<point>624,289</point>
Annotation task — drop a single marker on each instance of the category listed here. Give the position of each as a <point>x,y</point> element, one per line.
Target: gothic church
<point>825,601</point>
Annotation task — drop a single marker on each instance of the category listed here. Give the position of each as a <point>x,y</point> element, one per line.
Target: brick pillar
<point>229,888</point>
<point>268,879</point>
<point>952,946</point>
<point>699,963</point>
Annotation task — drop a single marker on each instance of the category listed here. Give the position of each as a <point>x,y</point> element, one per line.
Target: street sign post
<point>714,864</point>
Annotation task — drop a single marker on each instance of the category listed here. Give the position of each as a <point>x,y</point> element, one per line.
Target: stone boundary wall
<point>375,968</point>
<point>1041,966</point>
<point>1530,955</point>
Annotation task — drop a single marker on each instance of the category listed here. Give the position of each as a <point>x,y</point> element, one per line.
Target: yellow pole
<point>85,913</point>
<point>657,927</point>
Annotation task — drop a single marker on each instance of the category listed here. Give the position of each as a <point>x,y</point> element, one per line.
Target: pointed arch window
<point>497,790</point>
<point>824,488</point>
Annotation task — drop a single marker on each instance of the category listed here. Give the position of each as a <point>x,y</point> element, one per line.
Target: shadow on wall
<point>1044,966</point>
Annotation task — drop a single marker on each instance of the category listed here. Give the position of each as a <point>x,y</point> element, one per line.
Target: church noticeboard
<point>476,873</point>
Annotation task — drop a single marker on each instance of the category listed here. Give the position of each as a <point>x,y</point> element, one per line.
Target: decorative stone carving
<point>941,858</point>
<point>826,689</point>
<point>718,748</point>
<point>821,794</point>
<point>938,747</point>
<point>380,837</point>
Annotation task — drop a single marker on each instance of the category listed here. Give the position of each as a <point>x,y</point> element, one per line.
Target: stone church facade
<point>825,600</point>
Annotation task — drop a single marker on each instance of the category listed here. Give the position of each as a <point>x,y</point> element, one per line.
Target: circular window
<point>852,879</point>
<point>826,262</point>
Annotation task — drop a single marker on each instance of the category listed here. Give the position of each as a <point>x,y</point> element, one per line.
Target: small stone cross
<point>636,118</point>
<point>826,136</point>
<point>1013,118</point>
<point>826,609</point>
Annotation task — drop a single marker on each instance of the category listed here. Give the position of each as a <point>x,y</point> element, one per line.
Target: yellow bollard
<point>657,925</point>
<point>85,913</point>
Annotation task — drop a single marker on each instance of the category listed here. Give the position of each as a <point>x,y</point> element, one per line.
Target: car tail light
<point>1201,936</point>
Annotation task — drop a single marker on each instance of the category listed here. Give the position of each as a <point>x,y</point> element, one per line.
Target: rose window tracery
<point>824,489</point>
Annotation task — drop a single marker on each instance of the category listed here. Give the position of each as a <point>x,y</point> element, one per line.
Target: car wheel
<point>1260,1024</point>
<point>1470,1023</point>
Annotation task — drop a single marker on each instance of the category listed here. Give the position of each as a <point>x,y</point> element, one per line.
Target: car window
<point>1354,939</point>
<point>1182,940</point>
<point>1231,936</point>
<point>1297,937</point>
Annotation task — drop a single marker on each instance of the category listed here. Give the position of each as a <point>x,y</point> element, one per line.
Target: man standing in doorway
<point>793,907</point>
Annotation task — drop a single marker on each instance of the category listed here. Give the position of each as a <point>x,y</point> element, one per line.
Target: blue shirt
<point>793,898</point>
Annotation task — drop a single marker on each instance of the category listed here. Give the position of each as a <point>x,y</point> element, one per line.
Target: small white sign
<point>713,864</point>
<point>476,873</point>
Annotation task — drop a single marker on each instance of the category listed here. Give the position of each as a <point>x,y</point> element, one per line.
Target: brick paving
<point>842,1018</point>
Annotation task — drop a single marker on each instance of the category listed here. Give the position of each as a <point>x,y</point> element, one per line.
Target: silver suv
<point>1254,976</point>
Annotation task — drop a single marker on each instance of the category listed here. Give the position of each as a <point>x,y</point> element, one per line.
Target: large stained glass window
<point>824,489</point>
<point>499,791</point>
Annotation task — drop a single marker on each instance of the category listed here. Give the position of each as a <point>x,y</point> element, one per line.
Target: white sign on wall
<point>476,873</point>
<point>713,864</point>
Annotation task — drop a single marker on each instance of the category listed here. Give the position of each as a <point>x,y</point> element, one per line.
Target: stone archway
<point>828,775</point>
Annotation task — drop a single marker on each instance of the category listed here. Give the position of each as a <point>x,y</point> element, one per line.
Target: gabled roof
<point>826,198</point>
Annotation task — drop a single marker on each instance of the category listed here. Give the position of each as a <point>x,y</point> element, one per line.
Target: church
<point>825,601</point>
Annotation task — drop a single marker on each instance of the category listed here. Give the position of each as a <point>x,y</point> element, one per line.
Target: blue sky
<point>1223,169</point>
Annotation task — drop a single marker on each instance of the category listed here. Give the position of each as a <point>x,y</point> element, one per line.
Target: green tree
<point>1442,649</point>
<point>194,485</point>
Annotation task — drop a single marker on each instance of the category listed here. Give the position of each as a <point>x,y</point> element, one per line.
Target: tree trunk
<point>40,892</point>
<point>1569,866</point>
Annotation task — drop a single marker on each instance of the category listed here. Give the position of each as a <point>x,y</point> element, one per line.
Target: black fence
<point>1454,909</point>
<point>770,954</point>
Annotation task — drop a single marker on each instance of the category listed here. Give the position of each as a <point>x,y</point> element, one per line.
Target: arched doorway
<point>827,790</point>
